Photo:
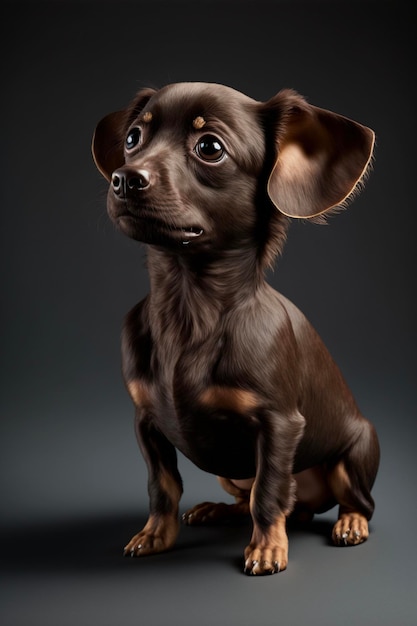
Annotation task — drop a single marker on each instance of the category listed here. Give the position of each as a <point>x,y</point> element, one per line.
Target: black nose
<point>125,179</point>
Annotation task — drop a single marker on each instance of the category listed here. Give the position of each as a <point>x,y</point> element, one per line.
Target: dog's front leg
<point>164,487</point>
<point>273,493</point>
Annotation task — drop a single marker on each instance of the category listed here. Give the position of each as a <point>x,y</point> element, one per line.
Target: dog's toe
<point>264,561</point>
<point>156,536</point>
<point>257,568</point>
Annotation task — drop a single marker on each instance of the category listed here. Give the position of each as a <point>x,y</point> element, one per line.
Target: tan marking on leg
<point>229,486</point>
<point>158,535</point>
<point>243,484</point>
<point>313,491</point>
<point>240,489</point>
<point>350,529</point>
<point>171,488</point>
<point>214,512</point>
<point>267,552</point>
<point>229,399</point>
<point>339,483</point>
<point>161,530</point>
<point>139,392</point>
<point>311,486</point>
<point>210,513</point>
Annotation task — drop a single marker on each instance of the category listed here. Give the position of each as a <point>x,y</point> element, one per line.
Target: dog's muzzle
<point>128,184</point>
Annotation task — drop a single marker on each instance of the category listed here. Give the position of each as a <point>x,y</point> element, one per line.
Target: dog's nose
<point>129,179</point>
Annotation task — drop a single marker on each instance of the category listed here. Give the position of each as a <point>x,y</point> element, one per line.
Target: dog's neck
<point>191,293</point>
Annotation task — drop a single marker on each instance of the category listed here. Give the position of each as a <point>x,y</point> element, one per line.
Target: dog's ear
<point>108,140</point>
<point>321,157</point>
<point>107,146</point>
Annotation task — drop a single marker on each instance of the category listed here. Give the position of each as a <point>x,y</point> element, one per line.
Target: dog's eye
<point>209,148</point>
<point>133,138</point>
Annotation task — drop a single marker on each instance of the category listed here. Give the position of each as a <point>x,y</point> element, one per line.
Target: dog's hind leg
<point>212,512</point>
<point>351,480</point>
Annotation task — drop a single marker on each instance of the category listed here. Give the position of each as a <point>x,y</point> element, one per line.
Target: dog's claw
<point>350,530</point>
<point>250,566</point>
<point>132,551</point>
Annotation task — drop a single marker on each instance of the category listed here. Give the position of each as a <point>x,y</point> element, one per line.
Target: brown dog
<point>218,364</point>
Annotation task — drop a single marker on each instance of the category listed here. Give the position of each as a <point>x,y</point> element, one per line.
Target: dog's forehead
<point>192,104</point>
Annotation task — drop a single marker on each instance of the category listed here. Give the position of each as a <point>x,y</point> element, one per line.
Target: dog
<point>218,364</point>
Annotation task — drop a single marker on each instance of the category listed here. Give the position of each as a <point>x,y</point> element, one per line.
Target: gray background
<point>73,485</point>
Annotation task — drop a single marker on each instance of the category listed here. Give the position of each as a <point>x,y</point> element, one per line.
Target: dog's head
<point>198,167</point>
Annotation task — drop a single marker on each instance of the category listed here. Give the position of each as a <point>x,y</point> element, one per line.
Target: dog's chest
<point>219,440</point>
<point>211,424</point>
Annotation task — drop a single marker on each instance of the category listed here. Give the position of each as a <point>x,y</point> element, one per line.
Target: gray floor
<point>71,572</point>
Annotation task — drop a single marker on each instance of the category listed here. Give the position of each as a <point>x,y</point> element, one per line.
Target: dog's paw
<point>144,544</point>
<point>350,529</point>
<point>265,560</point>
<point>213,512</point>
<point>157,536</point>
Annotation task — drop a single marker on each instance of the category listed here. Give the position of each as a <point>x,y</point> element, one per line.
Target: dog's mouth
<point>183,234</point>
<point>190,233</point>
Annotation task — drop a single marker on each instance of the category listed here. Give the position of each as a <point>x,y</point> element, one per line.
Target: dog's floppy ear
<point>107,146</point>
<point>321,157</point>
<point>108,140</point>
